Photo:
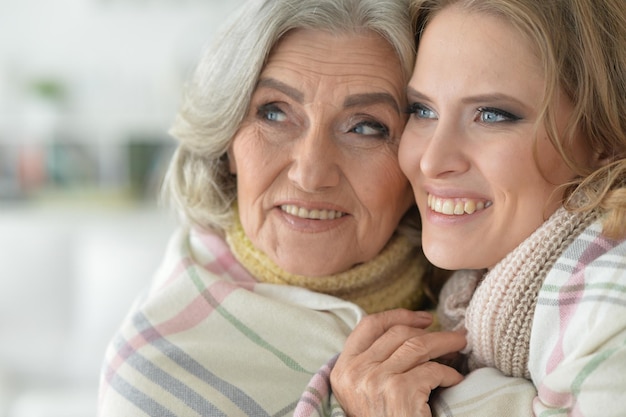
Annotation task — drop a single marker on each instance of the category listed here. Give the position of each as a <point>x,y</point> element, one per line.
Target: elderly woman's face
<point>319,186</point>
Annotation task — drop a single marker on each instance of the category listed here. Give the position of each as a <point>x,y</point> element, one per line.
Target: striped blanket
<point>577,348</point>
<point>194,345</point>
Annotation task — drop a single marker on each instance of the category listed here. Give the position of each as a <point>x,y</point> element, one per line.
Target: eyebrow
<point>353,100</point>
<point>479,98</point>
<point>366,99</point>
<point>292,92</point>
<point>494,97</point>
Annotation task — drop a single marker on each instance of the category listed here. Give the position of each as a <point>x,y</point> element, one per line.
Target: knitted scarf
<point>393,279</point>
<point>497,307</point>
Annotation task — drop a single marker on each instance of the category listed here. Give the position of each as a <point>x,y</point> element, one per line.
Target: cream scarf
<point>497,307</point>
<point>393,279</point>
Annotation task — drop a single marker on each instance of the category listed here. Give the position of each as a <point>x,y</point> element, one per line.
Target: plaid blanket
<point>194,345</point>
<point>577,348</point>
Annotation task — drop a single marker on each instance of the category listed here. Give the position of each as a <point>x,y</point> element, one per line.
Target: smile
<point>314,214</point>
<point>456,207</point>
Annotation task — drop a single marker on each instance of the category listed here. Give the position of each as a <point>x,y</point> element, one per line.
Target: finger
<point>423,348</point>
<point>431,375</point>
<point>389,343</point>
<point>374,326</point>
<point>408,394</point>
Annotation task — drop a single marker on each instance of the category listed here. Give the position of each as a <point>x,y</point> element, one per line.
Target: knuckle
<point>402,332</point>
<point>369,383</point>
<point>394,386</point>
<point>416,347</point>
<point>433,370</point>
<point>369,322</point>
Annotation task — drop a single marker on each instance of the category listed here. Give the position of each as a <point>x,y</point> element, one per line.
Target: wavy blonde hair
<point>582,47</point>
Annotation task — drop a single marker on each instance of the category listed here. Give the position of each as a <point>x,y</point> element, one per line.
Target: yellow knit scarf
<point>393,279</point>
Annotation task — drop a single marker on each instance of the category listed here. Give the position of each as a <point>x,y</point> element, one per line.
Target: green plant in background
<point>48,89</point>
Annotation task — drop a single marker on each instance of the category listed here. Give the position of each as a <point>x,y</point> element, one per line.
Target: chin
<point>311,273</point>
<point>307,269</point>
<point>443,258</point>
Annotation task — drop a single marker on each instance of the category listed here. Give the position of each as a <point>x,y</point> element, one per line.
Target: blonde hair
<point>582,47</point>
<point>216,99</point>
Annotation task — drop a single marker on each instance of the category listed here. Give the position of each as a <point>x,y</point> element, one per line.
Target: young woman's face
<point>319,185</point>
<point>475,97</point>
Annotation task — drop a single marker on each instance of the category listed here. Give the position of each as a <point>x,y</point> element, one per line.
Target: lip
<point>319,217</point>
<point>453,205</point>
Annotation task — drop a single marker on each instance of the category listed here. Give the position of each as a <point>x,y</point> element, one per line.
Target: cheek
<point>409,153</point>
<point>551,165</point>
<point>405,159</point>
<point>386,188</point>
<point>251,154</point>
<point>253,167</point>
<point>410,169</point>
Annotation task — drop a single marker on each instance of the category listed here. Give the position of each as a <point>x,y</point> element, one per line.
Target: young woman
<point>516,151</point>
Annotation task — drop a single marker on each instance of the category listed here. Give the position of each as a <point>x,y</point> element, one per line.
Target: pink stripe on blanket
<point>176,272</point>
<point>546,398</point>
<point>192,315</point>
<point>317,390</point>
<point>553,399</point>
<point>570,300</point>
<point>224,262</point>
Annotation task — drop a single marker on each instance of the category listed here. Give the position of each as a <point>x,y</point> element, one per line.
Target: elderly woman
<point>288,181</point>
<point>516,151</point>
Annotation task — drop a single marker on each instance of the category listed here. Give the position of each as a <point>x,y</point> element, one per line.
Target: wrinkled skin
<point>387,367</point>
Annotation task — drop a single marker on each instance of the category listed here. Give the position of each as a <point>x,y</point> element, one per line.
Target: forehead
<point>480,50</point>
<point>308,53</point>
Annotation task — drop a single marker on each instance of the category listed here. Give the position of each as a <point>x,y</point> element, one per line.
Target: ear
<point>601,159</point>
<point>232,165</point>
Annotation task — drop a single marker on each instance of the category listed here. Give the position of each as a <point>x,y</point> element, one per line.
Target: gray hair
<point>216,99</point>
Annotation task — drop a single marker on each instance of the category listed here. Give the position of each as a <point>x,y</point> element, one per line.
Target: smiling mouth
<point>456,207</point>
<point>315,214</point>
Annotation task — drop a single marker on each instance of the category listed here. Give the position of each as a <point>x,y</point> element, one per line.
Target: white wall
<point>71,269</point>
<point>122,61</point>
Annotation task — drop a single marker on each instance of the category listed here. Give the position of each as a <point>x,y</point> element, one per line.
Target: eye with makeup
<point>491,115</point>
<point>420,111</point>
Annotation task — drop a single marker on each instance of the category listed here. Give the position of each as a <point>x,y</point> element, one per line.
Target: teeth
<point>455,207</point>
<point>311,214</point>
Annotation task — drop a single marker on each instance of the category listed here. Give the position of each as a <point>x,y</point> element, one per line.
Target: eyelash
<point>265,109</point>
<point>383,130</point>
<point>414,108</point>
<point>507,117</point>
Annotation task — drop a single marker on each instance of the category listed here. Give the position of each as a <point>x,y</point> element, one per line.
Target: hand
<point>387,366</point>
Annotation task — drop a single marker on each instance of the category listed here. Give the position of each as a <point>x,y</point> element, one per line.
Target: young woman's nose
<point>443,151</point>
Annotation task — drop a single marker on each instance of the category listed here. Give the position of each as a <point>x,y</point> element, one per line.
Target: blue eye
<point>492,115</point>
<point>421,111</point>
<point>271,112</point>
<point>371,128</point>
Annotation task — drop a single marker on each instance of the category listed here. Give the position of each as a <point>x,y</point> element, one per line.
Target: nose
<point>315,164</point>
<point>443,154</point>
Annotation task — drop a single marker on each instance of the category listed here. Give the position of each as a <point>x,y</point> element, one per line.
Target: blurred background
<point>88,90</point>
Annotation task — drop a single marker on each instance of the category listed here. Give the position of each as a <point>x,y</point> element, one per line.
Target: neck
<point>393,279</point>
